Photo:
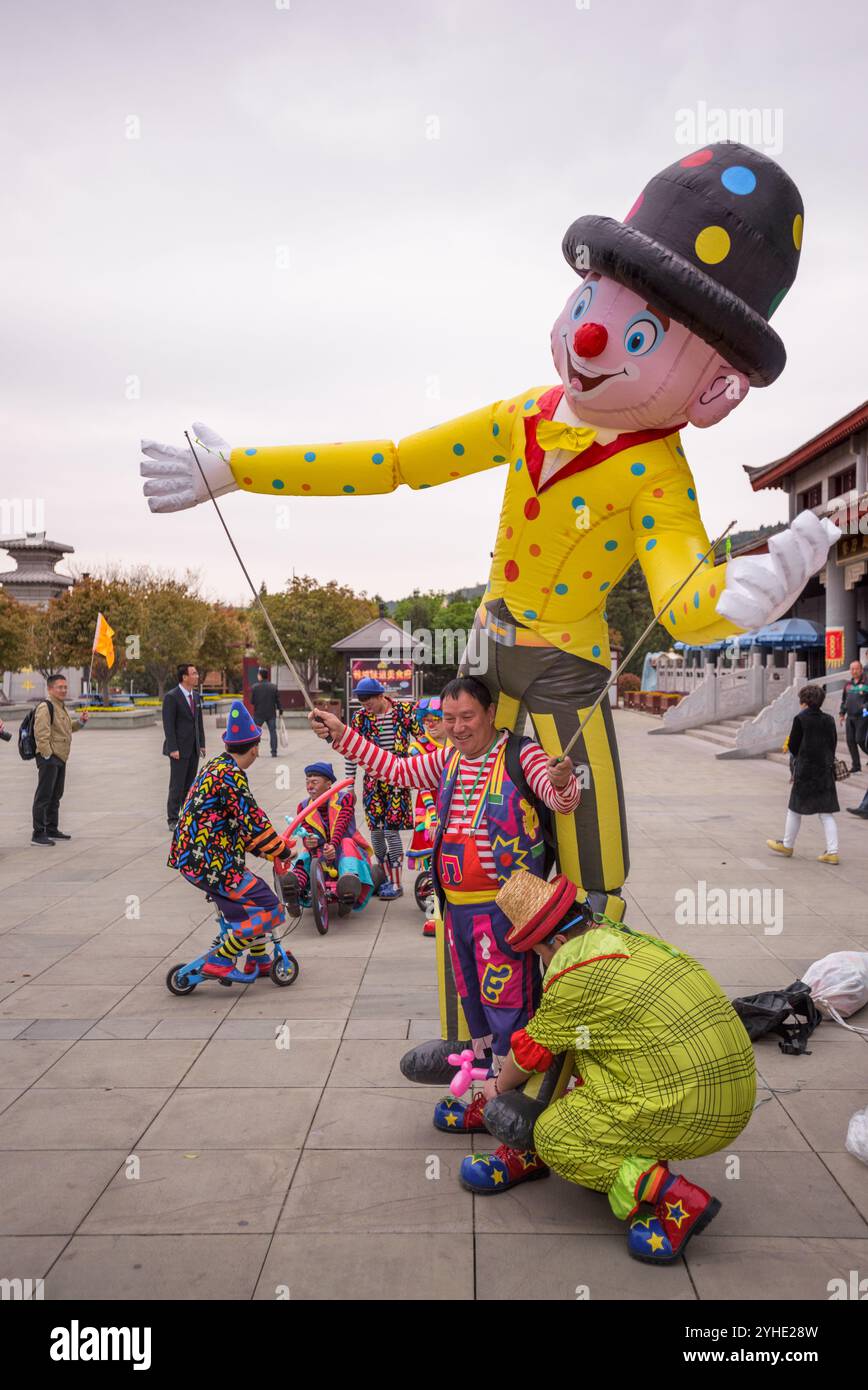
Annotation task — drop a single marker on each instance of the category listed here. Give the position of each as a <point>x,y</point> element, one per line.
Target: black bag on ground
<point>790,1013</point>
<point>26,737</point>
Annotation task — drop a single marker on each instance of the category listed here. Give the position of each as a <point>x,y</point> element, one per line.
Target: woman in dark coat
<point>812,743</point>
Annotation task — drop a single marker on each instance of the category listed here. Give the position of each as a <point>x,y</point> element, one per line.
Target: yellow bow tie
<point>551,434</point>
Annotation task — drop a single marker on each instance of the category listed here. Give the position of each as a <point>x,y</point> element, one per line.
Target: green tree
<point>309,617</point>
<point>442,627</point>
<point>419,610</point>
<point>14,632</point>
<point>227,634</point>
<point>62,634</point>
<point>452,626</point>
<point>173,620</point>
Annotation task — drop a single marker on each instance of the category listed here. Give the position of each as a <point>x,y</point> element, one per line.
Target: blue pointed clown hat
<point>240,728</point>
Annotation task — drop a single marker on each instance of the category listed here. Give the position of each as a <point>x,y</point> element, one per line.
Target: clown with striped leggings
<point>219,824</point>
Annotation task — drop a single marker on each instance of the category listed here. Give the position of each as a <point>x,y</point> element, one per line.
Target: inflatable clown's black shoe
<point>426,1063</point>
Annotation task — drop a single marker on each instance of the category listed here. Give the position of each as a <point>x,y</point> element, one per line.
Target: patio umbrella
<point>790,632</point>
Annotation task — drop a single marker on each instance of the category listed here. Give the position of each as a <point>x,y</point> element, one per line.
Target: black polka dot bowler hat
<point>714,242</point>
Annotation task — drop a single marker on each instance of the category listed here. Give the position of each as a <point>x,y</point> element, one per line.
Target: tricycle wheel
<point>319,898</point>
<point>284,973</point>
<point>177,984</point>
<point>423,889</point>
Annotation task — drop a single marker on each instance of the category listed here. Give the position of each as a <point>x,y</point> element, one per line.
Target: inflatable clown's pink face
<point>625,364</point>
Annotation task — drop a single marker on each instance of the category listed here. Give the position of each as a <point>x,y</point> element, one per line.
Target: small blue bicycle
<point>183,979</point>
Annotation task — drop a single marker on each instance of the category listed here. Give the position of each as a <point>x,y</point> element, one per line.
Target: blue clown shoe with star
<point>682,1211</point>
<point>455,1117</point>
<point>487,1173</point>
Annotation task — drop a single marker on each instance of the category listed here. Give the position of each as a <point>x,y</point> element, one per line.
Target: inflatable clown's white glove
<point>174,479</point>
<point>760,588</point>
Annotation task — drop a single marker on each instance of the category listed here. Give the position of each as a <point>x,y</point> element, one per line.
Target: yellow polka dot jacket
<point>564,540</point>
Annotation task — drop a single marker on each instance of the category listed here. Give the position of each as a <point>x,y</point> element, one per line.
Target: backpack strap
<point>514,744</point>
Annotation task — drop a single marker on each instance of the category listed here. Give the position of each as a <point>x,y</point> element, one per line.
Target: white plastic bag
<point>857,1135</point>
<point>839,985</point>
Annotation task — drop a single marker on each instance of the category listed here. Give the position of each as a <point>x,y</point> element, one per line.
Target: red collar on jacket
<point>596,453</point>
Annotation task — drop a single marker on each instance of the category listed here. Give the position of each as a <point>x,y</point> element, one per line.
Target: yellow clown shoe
<point>780,848</point>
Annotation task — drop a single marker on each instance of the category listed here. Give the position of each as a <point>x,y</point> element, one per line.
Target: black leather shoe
<point>854,811</point>
<point>57,835</point>
<point>41,840</point>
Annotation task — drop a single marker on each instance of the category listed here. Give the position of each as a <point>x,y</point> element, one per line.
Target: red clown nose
<point>590,340</point>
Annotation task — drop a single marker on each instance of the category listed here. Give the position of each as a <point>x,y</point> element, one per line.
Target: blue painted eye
<point>643,334</point>
<point>583,302</point>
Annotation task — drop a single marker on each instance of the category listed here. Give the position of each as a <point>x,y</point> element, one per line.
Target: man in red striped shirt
<point>488,829</point>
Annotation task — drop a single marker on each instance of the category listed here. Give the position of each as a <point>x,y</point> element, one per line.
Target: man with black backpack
<point>46,734</point>
<point>495,792</point>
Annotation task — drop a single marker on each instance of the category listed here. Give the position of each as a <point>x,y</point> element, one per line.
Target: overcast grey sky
<point>301,136</point>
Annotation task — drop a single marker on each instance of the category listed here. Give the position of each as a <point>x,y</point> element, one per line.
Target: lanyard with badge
<point>467,824</point>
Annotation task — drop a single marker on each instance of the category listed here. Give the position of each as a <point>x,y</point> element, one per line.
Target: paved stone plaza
<point>315,1169</point>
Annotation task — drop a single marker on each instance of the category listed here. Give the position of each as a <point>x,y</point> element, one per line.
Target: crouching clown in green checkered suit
<point>665,1069</point>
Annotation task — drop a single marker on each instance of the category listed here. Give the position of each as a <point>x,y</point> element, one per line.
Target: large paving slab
<point>261,1142</point>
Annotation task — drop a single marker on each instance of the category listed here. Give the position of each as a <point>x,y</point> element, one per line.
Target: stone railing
<point>679,679</point>
<point>722,693</point>
<point>767,732</point>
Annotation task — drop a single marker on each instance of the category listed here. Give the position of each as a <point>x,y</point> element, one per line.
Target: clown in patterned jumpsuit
<point>219,824</point>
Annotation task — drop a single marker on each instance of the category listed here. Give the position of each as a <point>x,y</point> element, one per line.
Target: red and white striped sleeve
<point>421,771</point>
<point>535,763</point>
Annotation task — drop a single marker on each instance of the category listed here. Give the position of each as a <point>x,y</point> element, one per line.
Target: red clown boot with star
<point>455,1117</point>
<point>486,1173</point>
<point>681,1210</point>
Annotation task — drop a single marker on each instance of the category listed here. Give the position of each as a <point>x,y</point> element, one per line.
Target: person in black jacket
<point>854,699</point>
<point>812,743</point>
<point>184,742</point>
<point>266,706</point>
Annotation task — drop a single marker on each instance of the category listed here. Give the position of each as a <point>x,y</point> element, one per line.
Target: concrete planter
<point>124,719</point>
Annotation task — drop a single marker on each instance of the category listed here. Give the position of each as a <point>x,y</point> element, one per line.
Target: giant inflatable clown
<point>669,326</point>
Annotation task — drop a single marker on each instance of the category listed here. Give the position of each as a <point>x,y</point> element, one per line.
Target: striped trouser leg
<point>493,664</point>
<point>231,946</point>
<point>395,847</point>
<point>557,689</point>
<point>592,843</point>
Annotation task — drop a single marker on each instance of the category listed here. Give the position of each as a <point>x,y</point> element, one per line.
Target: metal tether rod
<point>636,645</point>
<point>271,628</point>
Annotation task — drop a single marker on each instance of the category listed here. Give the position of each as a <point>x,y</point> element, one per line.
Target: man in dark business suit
<point>184,743</point>
<point>265,700</point>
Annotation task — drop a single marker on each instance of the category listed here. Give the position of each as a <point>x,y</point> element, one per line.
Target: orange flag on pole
<point>102,640</point>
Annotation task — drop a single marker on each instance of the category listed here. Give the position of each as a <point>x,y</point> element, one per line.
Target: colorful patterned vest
<point>514,829</point>
<point>322,821</point>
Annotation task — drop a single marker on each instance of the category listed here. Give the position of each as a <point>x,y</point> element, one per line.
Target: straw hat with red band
<point>535,907</point>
